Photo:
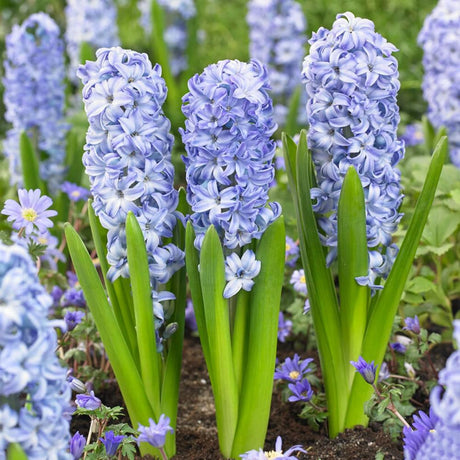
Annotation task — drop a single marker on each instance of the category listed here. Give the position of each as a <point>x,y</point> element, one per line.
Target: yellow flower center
<point>273,454</point>
<point>288,246</point>
<point>43,240</point>
<point>294,375</point>
<point>303,280</point>
<point>29,214</point>
<point>75,194</point>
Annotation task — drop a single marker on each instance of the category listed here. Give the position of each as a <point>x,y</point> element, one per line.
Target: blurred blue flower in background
<point>34,96</point>
<point>277,38</point>
<point>440,40</point>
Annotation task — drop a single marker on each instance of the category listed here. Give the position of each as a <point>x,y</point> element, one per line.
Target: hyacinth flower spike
<point>347,187</point>
<point>135,220</point>
<point>235,279</point>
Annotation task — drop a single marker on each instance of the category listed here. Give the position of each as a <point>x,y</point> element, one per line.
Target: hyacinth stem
<point>384,309</point>
<point>323,299</point>
<point>212,276</point>
<point>191,263</point>
<point>257,386</point>
<point>353,262</point>
<point>145,324</point>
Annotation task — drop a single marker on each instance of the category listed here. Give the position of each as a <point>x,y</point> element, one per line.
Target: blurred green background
<point>225,32</point>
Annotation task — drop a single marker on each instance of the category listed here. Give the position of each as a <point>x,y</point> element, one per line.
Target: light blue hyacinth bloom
<point>229,160</point>
<point>277,38</point>
<point>34,96</point>
<point>440,40</point>
<point>351,79</point>
<point>177,13</point>
<point>34,393</point>
<point>89,21</point>
<point>128,160</point>
<point>438,435</point>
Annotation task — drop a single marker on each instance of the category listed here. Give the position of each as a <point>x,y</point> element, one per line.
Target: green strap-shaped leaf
<point>86,52</point>
<point>143,309</point>
<point>382,314</point>
<point>256,390</point>
<point>212,275</point>
<point>353,262</point>
<point>321,290</point>
<point>118,352</point>
<point>29,162</point>
<point>120,308</point>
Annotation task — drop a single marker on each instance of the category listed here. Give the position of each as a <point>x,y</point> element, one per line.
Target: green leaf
<point>293,112</point>
<point>419,285</point>
<point>15,452</point>
<point>442,223</point>
<point>86,52</point>
<point>321,290</point>
<point>118,302</point>
<point>353,262</point>
<point>265,297</point>
<point>381,316</point>
<point>212,275</point>
<point>29,161</point>
<point>120,357</point>
<point>143,310</point>
<point>428,133</point>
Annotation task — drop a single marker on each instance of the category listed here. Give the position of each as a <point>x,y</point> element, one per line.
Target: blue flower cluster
<point>277,38</point>
<point>440,39</point>
<point>34,394</point>
<point>294,372</point>
<point>89,21</point>
<point>438,435</point>
<point>34,95</point>
<point>128,157</point>
<point>177,13</point>
<point>352,81</point>
<point>229,151</point>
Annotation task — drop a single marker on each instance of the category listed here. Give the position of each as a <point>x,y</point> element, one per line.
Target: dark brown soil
<point>197,434</point>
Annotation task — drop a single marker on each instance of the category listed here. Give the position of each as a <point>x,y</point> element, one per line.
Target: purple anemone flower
<point>301,391</point>
<point>111,442</point>
<point>77,445</point>
<point>31,213</point>
<point>88,401</point>
<point>293,370</point>
<point>155,433</point>
<point>277,453</point>
<point>367,370</point>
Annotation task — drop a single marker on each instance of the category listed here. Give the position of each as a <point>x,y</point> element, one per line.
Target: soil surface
<point>197,434</point>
